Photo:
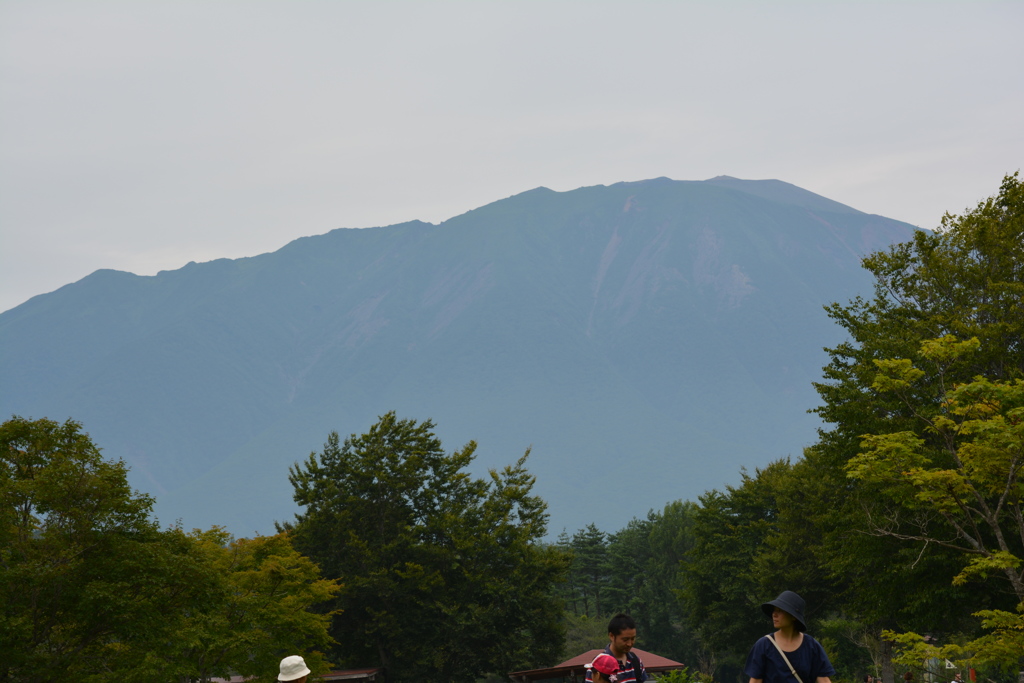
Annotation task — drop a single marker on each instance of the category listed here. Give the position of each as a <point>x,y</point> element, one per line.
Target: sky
<point>142,136</point>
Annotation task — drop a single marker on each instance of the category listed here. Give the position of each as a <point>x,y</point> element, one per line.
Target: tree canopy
<point>921,402</point>
<point>93,590</point>
<point>444,575</point>
<point>904,518</point>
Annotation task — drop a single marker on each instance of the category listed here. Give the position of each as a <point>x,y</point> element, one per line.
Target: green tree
<point>856,584</point>
<point>93,591</point>
<point>965,281</point>
<point>443,574</point>
<point>722,587</point>
<point>635,570</point>
<point>645,560</point>
<point>590,569</point>
<point>72,535</point>
<point>258,607</point>
<point>968,471</point>
<point>569,590</point>
<point>629,558</point>
<point>583,634</point>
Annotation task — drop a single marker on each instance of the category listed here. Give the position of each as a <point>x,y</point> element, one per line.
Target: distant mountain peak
<point>660,180</point>
<point>638,317</point>
<point>782,193</point>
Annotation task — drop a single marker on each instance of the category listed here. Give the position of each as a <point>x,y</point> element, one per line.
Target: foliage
<point>999,650</point>
<point>583,633</point>
<point>683,675</point>
<point>257,609</point>
<point>93,590</point>
<point>71,537</point>
<point>968,474</point>
<point>444,576</point>
<point>651,553</point>
<point>922,488</point>
<point>586,587</point>
<point>854,649</point>
<point>636,571</point>
<point>722,589</point>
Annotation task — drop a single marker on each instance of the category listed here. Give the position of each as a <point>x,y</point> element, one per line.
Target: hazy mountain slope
<point>650,337</point>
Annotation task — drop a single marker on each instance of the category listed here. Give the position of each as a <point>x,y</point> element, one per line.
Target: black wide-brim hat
<point>790,602</point>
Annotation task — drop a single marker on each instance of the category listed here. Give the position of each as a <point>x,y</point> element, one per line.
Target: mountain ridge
<point>574,321</point>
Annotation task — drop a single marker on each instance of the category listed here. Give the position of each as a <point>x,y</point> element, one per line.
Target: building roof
<point>336,675</point>
<point>353,674</point>
<point>652,662</point>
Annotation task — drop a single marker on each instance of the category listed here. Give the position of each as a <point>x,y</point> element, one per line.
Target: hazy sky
<point>143,135</point>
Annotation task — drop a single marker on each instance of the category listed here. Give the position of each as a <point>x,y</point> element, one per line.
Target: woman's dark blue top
<point>809,660</point>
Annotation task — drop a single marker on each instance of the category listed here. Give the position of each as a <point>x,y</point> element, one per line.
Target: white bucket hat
<point>293,667</point>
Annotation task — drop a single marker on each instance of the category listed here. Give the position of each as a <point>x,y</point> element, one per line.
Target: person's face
<point>782,619</point>
<point>623,642</point>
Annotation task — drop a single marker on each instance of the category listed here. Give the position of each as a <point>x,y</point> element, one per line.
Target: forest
<point>902,527</point>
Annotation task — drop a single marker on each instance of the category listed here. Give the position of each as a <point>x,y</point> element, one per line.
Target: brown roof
<point>353,674</point>
<point>651,661</point>
<point>336,675</point>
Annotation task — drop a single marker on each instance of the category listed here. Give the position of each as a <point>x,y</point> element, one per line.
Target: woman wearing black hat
<point>789,655</point>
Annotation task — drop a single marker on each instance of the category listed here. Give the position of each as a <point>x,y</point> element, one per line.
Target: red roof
<point>651,661</point>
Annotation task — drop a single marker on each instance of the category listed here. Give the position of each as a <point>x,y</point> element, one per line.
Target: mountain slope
<point>651,337</point>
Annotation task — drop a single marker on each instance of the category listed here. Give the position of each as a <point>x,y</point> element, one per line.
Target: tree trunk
<point>707,663</point>
<point>887,672</point>
<point>385,661</point>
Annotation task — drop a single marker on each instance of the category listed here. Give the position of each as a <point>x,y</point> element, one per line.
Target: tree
<point>583,634</point>
<point>93,590</point>
<point>444,575</point>
<point>590,569</point>
<point>969,474</point>
<point>258,605</point>
<point>70,527</point>
<point>569,592</point>
<point>722,589</point>
<point>645,562</point>
<point>628,558</point>
<point>636,571</point>
<point>963,282</point>
<point>858,583</point>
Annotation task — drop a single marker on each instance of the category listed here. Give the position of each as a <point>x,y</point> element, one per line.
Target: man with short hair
<point>621,636</point>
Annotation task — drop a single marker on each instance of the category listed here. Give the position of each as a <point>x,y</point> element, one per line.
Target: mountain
<point>647,339</point>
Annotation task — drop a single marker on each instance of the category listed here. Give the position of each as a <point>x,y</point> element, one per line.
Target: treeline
<point>401,559</point>
<point>635,570</point>
<point>902,527</point>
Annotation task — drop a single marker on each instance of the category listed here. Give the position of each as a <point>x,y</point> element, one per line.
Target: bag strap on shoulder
<point>634,660</point>
<point>785,659</point>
